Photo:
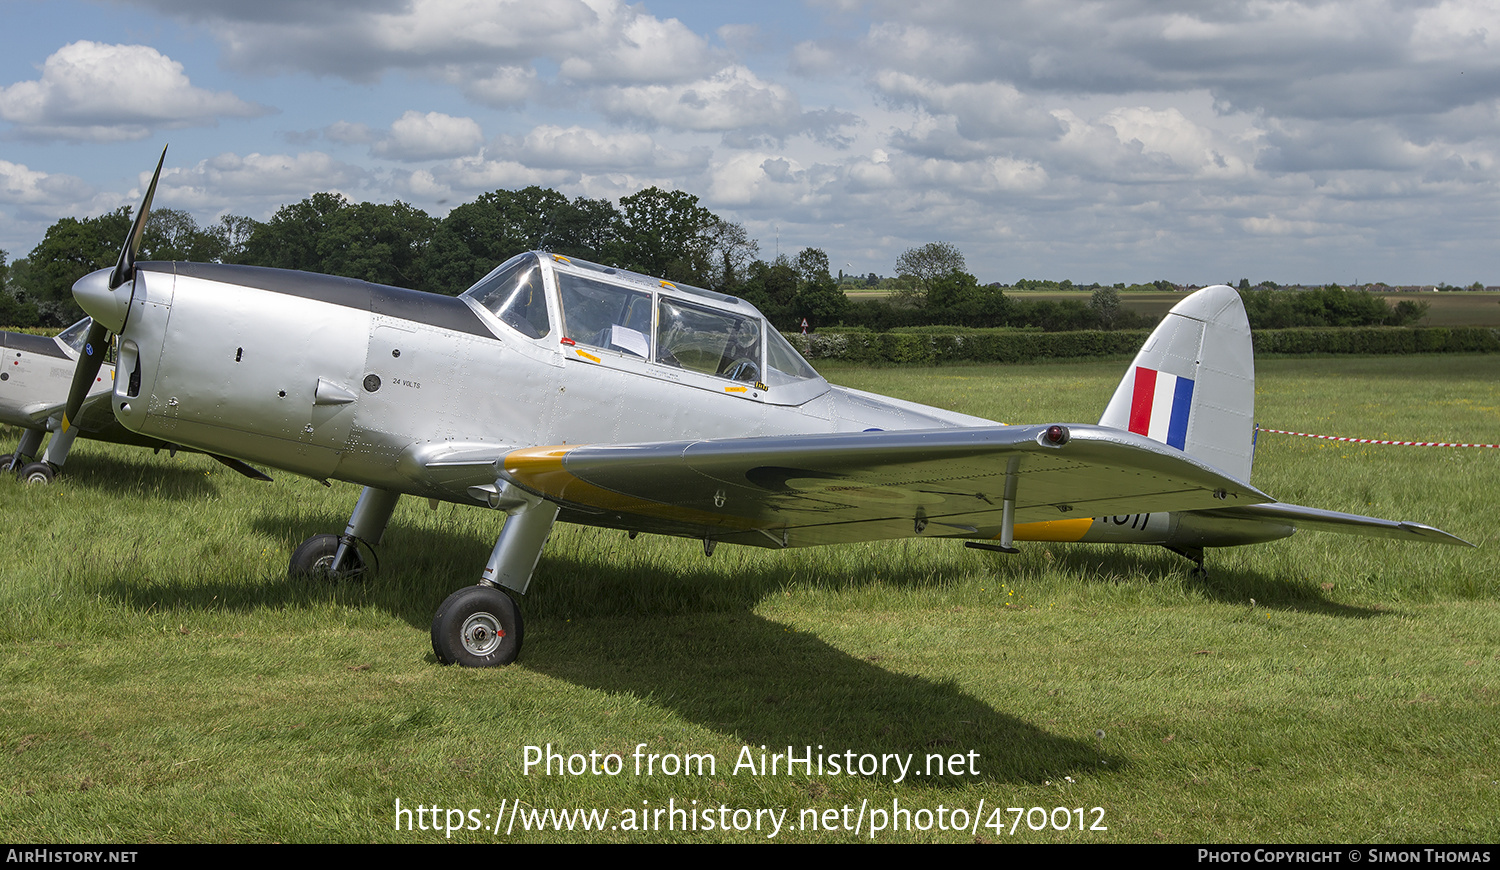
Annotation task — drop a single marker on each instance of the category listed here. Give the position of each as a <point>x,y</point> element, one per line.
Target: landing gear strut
<point>1194,555</point>
<point>480,626</point>
<point>336,556</point>
<point>318,556</point>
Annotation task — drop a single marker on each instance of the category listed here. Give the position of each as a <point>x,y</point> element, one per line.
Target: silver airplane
<point>561,390</point>
<point>33,380</point>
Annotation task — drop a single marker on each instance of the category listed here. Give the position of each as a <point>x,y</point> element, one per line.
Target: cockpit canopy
<point>667,325</point>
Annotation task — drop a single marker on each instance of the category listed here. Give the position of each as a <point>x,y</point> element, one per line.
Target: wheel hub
<point>482,634</point>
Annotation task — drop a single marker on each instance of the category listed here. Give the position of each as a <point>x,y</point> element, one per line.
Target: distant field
<point>1445,309</point>
<point>163,681</point>
<point>1455,309</point>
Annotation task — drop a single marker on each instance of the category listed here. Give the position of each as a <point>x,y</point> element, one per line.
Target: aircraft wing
<point>1334,521</point>
<point>95,415</point>
<point>803,490</point>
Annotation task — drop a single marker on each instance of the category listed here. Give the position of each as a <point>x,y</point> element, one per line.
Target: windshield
<point>513,293</point>
<point>784,365</point>
<point>75,335</point>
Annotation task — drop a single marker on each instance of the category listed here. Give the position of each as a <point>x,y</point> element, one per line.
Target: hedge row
<point>1010,346</point>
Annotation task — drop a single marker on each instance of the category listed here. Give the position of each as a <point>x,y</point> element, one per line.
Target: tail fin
<point>1193,384</point>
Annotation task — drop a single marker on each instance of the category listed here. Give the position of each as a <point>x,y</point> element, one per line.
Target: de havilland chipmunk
<point>556,390</point>
<point>33,373</point>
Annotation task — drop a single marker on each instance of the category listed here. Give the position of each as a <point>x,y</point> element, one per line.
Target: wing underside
<point>794,491</point>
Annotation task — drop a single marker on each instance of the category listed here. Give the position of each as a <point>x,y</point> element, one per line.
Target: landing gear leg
<point>31,442</point>
<point>1195,555</point>
<point>464,629</point>
<point>58,447</point>
<point>338,555</point>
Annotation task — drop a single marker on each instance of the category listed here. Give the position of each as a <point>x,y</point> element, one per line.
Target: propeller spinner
<point>96,294</point>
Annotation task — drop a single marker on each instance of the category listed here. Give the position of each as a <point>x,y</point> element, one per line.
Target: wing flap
<point>818,489</point>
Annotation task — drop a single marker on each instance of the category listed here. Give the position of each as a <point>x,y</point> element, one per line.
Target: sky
<point>1198,141</point>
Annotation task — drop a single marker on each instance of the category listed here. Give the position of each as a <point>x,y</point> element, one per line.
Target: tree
<point>584,228</point>
<point>289,240</point>
<point>478,236</point>
<point>374,242</point>
<point>1106,304</point>
<point>731,251</point>
<point>13,311</point>
<point>666,233</point>
<point>71,249</point>
<point>925,264</point>
<point>173,234</point>
<point>818,297</point>
<point>771,287</point>
<point>951,290</point>
<point>232,234</point>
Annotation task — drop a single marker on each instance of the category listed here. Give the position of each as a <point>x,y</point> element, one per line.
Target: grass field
<point>161,681</point>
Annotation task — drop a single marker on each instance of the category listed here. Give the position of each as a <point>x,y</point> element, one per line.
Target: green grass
<point>161,680</point>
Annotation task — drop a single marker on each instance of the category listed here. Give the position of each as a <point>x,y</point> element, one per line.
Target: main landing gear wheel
<point>315,559</point>
<point>38,472</point>
<point>477,627</point>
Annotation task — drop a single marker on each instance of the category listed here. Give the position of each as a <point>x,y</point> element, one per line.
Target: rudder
<point>1192,386</point>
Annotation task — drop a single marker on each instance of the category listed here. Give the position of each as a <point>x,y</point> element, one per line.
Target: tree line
<point>657,232</point>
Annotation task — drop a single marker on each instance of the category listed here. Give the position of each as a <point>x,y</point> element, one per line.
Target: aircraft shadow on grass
<point>140,475</point>
<point>1221,584</point>
<point>694,644</point>
<point>707,657</point>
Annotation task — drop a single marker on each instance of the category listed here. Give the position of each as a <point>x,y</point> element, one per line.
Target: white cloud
<point>348,133</point>
<point>24,186</point>
<point>588,150</point>
<point>105,93</point>
<point>500,87</point>
<point>431,136</point>
<point>260,177</point>
<point>493,43</point>
<point>731,99</point>
<point>469,176</point>
<point>1191,148</point>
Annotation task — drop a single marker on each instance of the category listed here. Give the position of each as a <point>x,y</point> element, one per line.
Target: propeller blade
<point>125,266</point>
<point>97,343</point>
<point>94,347</point>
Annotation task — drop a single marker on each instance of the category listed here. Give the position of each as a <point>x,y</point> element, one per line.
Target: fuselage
<point>420,393</point>
<point>335,378</point>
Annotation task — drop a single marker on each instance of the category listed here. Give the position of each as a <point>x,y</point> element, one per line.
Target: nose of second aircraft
<point>107,305</point>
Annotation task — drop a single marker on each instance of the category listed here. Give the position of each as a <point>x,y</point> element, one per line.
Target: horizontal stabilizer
<point>1334,521</point>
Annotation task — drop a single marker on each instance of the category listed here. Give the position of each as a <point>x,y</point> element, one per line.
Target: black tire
<point>477,627</point>
<point>315,557</point>
<point>38,472</point>
<point>5,459</point>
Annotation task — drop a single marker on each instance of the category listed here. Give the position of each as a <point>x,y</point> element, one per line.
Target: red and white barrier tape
<point>1378,441</point>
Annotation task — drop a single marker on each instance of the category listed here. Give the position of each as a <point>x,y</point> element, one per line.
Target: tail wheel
<point>315,559</point>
